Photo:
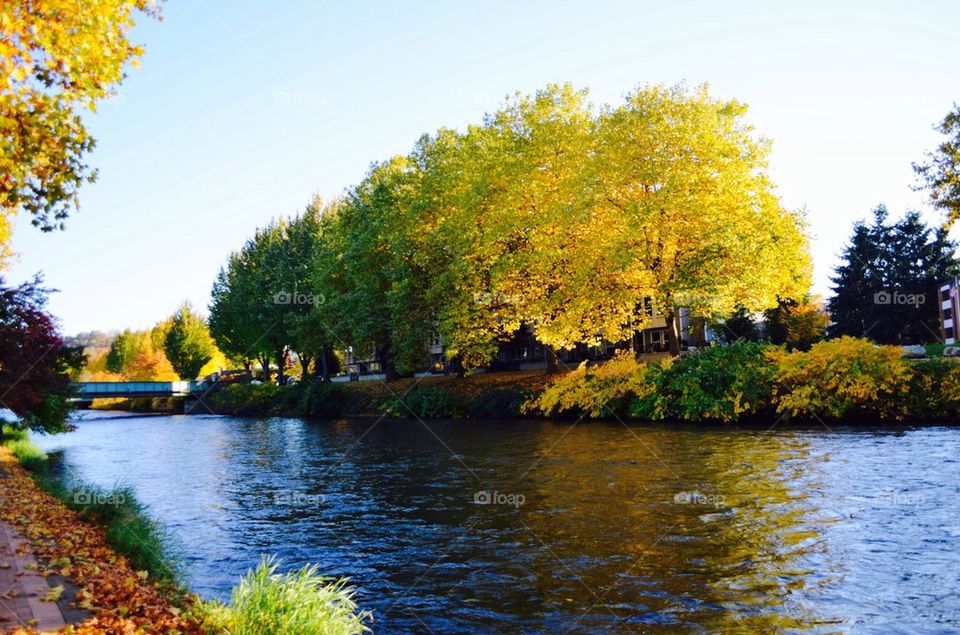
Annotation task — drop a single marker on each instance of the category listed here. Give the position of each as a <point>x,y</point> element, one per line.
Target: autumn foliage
<point>121,599</point>
<point>846,379</point>
<point>34,380</point>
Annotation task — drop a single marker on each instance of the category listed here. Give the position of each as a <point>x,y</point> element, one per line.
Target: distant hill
<point>91,340</point>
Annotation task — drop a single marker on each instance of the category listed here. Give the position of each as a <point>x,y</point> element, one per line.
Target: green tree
<point>886,286</point>
<point>941,173</point>
<point>320,330</point>
<point>126,347</point>
<point>188,344</point>
<point>797,323</point>
<point>378,282</point>
<point>740,326</point>
<point>305,325</point>
<point>242,307</point>
<point>858,278</point>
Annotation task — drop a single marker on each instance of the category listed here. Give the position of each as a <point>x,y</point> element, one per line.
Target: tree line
<point>178,347</point>
<point>575,220</point>
<point>886,287</point>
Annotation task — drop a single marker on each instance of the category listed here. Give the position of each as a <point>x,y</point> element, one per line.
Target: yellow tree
<point>503,205</point>
<point>568,290</point>
<point>57,58</point>
<point>462,179</point>
<point>689,214</point>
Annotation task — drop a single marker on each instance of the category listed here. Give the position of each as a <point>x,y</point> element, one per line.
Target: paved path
<point>21,589</point>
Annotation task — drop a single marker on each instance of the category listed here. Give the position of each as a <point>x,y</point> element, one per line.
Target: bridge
<point>116,389</point>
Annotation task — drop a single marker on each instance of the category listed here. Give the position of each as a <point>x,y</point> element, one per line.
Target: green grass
<point>30,456</point>
<point>935,350</point>
<point>130,530</point>
<point>300,601</point>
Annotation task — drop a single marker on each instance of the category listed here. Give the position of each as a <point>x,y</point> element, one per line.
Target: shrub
<point>245,399</point>
<point>720,383</point>
<point>842,377</point>
<point>425,402</point>
<point>934,389</point>
<point>316,398</point>
<point>593,390</point>
<point>301,601</point>
<point>498,403</point>
<point>935,350</point>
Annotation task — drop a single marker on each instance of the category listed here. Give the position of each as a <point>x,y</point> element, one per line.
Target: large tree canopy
<point>57,58</point>
<point>574,221</point>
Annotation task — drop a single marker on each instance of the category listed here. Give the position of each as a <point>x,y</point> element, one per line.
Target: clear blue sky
<point>242,111</point>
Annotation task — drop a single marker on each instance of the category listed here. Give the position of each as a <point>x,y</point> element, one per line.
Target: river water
<point>533,526</point>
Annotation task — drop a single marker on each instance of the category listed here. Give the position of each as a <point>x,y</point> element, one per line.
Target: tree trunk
<point>304,366</point>
<point>265,368</point>
<point>324,365</point>
<point>550,355</point>
<point>386,363</point>
<point>456,365</point>
<point>281,366</point>
<point>673,331</point>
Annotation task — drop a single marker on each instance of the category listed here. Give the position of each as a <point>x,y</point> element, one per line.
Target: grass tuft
<point>29,455</point>
<point>300,601</point>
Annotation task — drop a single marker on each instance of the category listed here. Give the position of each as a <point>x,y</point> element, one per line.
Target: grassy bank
<point>845,380</point>
<point>172,405</point>
<point>128,576</point>
<point>129,529</point>
<point>494,395</point>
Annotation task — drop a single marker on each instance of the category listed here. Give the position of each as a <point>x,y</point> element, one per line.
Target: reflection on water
<point>592,527</point>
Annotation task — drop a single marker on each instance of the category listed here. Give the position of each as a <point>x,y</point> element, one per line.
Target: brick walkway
<point>21,589</point>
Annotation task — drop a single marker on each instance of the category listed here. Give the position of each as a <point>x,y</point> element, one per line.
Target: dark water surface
<point>593,528</point>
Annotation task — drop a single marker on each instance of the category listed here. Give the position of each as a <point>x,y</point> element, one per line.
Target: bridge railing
<point>106,389</point>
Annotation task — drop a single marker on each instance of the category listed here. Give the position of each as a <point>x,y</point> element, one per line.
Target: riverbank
<point>843,381</point>
<point>79,559</point>
<point>93,588</point>
<point>166,405</point>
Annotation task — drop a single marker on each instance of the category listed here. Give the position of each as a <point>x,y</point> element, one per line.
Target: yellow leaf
<point>54,594</point>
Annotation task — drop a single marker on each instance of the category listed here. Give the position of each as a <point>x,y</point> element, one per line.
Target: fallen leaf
<point>54,594</point>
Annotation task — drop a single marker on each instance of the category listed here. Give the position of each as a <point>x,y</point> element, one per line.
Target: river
<point>538,526</point>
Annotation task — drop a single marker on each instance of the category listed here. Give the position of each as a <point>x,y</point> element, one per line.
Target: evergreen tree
<point>886,287</point>
<point>856,282</point>
<point>740,326</point>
